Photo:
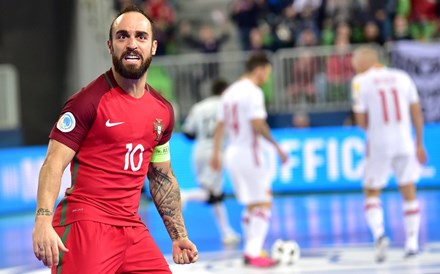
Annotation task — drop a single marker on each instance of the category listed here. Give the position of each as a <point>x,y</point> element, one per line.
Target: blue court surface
<point>330,228</point>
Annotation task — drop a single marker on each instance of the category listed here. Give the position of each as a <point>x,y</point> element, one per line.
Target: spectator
<point>304,72</point>
<point>257,41</point>
<point>307,17</point>
<point>205,42</point>
<point>164,17</point>
<point>284,28</point>
<point>338,10</point>
<point>380,15</point>
<point>372,33</point>
<point>307,38</point>
<point>339,70</point>
<point>300,119</point>
<point>400,29</point>
<point>423,19</point>
<point>246,15</point>
<point>327,32</point>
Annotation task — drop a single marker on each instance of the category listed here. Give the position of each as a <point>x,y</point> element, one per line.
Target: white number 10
<point>129,157</point>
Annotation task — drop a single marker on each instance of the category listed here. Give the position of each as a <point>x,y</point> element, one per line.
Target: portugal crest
<point>158,129</point>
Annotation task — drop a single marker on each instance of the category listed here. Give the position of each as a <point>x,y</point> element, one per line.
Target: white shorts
<point>207,178</point>
<point>406,169</point>
<point>249,174</point>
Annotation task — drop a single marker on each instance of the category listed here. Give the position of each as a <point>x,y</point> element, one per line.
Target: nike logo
<point>108,124</point>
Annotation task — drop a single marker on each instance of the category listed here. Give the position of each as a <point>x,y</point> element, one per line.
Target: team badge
<point>158,128</point>
<point>67,122</point>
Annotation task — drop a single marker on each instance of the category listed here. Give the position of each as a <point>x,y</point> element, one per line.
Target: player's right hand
<point>282,154</point>
<point>421,154</point>
<point>184,251</point>
<point>215,163</point>
<point>46,243</point>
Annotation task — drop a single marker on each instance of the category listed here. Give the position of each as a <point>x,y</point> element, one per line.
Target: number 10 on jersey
<point>130,157</point>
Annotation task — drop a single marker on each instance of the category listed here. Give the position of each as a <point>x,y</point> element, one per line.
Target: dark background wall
<point>34,36</point>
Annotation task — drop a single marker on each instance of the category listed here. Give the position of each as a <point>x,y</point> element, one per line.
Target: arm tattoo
<point>166,196</point>
<point>44,212</point>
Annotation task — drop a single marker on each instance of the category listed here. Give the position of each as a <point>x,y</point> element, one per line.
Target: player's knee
<point>215,198</point>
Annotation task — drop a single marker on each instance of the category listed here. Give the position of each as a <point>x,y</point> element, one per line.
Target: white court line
<point>353,260</point>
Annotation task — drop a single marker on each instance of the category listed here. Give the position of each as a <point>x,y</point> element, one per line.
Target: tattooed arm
<point>166,196</point>
<point>165,192</point>
<point>46,242</point>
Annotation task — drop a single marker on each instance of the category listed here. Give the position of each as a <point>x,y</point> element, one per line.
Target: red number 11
<point>383,99</point>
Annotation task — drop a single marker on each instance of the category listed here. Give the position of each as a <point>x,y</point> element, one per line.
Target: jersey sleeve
<point>221,111</point>
<point>76,118</point>
<point>413,94</point>
<point>358,102</point>
<point>169,129</point>
<point>257,109</point>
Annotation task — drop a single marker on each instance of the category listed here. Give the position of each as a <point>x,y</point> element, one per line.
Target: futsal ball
<point>285,252</point>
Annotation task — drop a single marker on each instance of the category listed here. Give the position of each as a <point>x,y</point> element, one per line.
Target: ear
<point>154,47</point>
<point>109,46</point>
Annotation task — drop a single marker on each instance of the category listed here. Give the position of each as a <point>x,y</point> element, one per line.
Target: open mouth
<point>132,57</point>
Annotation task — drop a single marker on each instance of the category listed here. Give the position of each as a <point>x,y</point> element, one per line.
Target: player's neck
<point>252,78</point>
<point>133,87</point>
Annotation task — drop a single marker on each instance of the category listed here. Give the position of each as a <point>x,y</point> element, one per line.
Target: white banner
<point>422,62</point>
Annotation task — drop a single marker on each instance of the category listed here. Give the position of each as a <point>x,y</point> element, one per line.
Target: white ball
<point>285,252</point>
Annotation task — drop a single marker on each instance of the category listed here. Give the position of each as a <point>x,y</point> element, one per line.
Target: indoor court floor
<point>330,228</point>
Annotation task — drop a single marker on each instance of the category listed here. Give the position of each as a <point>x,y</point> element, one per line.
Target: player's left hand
<point>184,251</point>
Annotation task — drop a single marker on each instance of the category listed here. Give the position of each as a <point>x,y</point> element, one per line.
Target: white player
<point>386,104</point>
<point>199,125</point>
<point>242,117</point>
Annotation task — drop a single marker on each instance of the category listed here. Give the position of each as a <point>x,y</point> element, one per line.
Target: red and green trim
<point>75,164</point>
<point>63,239</point>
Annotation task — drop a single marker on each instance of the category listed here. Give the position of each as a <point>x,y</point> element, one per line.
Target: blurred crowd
<point>275,24</point>
<point>312,76</point>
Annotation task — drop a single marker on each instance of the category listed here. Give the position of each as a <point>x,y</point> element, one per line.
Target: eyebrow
<point>137,33</point>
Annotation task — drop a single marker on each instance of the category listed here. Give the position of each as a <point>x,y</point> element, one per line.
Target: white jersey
<point>244,157</point>
<point>202,120</point>
<point>386,94</point>
<point>242,102</point>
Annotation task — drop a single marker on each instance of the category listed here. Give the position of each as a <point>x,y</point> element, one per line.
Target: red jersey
<point>114,135</point>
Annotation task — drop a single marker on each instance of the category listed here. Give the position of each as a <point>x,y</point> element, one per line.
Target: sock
<point>411,218</point>
<point>245,223</point>
<point>374,216</point>
<point>258,228</point>
<point>221,218</point>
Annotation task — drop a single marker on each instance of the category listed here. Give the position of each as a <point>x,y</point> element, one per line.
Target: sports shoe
<point>259,262</point>
<point>231,238</point>
<point>381,245</point>
<point>409,254</point>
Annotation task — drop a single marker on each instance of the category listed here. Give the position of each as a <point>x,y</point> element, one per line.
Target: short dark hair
<point>131,8</point>
<point>218,86</point>
<point>257,59</point>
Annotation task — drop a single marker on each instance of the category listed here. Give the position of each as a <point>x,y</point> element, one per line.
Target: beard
<point>131,71</point>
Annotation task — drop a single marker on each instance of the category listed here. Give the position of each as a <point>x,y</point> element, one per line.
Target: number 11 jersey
<point>386,95</point>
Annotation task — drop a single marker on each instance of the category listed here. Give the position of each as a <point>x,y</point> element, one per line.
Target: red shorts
<point>100,248</point>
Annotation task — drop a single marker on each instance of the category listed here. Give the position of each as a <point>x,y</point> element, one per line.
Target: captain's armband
<point>161,153</point>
